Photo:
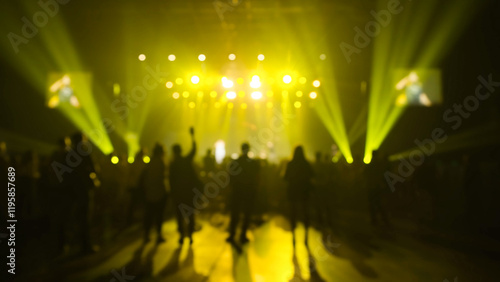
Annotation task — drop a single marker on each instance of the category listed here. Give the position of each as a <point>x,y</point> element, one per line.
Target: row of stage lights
<point>255,95</point>
<point>244,106</point>
<point>231,57</point>
<point>255,82</point>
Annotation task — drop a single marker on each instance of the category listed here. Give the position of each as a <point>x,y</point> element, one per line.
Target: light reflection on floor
<point>355,256</point>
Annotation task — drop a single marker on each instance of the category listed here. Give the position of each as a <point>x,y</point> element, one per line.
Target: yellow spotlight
<point>146,159</point>
<point>202,57</point>
<point>142,57</point>
<point>169,84</point>
<point>217,105</point>
<point>231,95</point>
<point>230,105</point>
<point>349,160</point>
<point>241,93</point>
<point>299,93</point>
<point>269,105</point>
<point>175,95</point>
<point>171,57</point>
<point>232,57</point>
<point>302,80</point>
<point>297,104</point>
<point>316,83</point>
<point>322,57</point>
<point>195,79</point>
<point>185,94</point>
<point>116,89</point>
<point>255,84</point>
<point>261,57</point>
<point>200,94</point>
<point>256,105</point>
<point>256,95</point>
<point>179,81</point>
<point>192,105</point>
<point>213,94</point>
<point>130,160</point>
<point>226,83</point>
<point>313,95</point>
<point>287,79</point>
<point>244,106</point>
<point>284,93</point>
<point>270,93</point>
<point>115,159</point>
<point>240,80</point>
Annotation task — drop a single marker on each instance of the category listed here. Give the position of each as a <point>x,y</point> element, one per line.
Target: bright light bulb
<point>256,95</point>
<point>231,95</point>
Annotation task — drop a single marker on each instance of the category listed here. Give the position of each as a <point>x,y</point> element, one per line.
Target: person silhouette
<point>183,179</point>
<point>209,163</point>
<point>81,184</point>
<point>377,187</point>
<point>155,193</point>
<point>243,193</point>
<point>298,174</point>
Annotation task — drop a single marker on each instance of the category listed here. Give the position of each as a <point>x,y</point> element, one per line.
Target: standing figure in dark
<point>298,174</point>
<point>80,180</point>
<point>377,187</point>
<point>244,182</point>
<point>133,185</point>
<point>60,196</point>
<point>183,179</point>
<point>155,193</point>
<point>209,163</point>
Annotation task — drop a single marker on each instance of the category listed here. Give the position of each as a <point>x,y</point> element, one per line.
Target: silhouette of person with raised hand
<point>183,179</point>
<point>298,174</point>
<point>155,193</point>
<point>243,193</point>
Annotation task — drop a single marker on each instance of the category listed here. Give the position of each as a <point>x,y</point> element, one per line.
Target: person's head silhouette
<point>158,151</point>
<point>298,154</point>
<point>245,148</point>
<point>177,150</point>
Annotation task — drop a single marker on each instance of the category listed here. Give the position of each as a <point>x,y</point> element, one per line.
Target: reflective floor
<point>354,252</point>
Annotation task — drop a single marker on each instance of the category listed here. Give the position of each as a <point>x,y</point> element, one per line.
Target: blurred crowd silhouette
<point>75,208</point>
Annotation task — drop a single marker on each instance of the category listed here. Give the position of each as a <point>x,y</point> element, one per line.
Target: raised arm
<point>192,153</point>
